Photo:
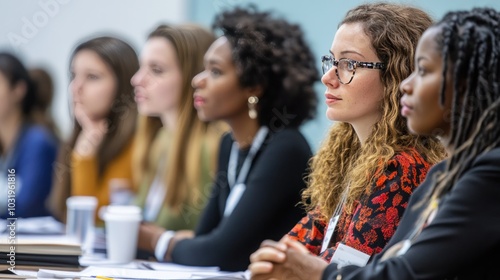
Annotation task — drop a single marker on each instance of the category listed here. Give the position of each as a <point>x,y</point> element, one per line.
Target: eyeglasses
<point>346,68</point>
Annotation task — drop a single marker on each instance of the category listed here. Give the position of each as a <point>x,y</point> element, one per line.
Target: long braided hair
<point>470,48</point>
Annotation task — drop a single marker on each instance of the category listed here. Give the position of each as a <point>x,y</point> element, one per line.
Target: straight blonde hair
<point>191,137</point>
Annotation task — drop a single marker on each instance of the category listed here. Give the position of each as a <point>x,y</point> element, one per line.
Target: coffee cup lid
<point>122,212</point>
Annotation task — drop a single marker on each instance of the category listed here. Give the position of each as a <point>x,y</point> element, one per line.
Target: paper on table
<point>220,275</point>
<point>197,272</point>
<point>24,273</point>
<point>178,267</point>
<point>127,273</point>
<point>123,273</point>
<point>98,259</point>
<point>101,260</point>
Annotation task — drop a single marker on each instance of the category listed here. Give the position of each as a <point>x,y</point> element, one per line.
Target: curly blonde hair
<point>394,30</point>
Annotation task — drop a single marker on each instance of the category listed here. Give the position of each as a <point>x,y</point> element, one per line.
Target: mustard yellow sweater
<point>85,179</point>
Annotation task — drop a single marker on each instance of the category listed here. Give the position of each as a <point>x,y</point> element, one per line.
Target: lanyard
<point>333,221</point>
<point>233,158</point>
<point>237,186</point>
<point>156,194</point>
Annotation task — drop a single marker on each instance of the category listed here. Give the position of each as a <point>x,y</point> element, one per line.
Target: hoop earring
<point>252,103</point>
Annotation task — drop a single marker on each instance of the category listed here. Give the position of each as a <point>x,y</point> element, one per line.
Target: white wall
<point>44,32</point>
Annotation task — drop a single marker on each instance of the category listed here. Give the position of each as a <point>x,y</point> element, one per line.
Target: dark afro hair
<point>272,53</point>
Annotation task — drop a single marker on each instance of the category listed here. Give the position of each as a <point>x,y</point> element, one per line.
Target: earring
<point>252,102</point>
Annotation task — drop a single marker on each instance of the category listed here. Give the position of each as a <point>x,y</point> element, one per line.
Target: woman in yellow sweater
<point>175,153</point>
<point>100,148</point>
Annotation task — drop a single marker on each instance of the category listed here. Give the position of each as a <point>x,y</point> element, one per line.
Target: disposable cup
<point>122,229</point>
<point>80,220</point>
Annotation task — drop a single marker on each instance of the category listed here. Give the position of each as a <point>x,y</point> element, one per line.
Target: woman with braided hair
<point>451,229</point>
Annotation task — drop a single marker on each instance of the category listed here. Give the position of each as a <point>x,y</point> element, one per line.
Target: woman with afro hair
<point>259,79</point>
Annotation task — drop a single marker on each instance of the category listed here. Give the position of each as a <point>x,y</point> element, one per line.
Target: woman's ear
<point>254,91</point>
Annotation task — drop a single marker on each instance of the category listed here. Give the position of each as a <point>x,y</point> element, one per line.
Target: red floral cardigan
<point>376,215</point>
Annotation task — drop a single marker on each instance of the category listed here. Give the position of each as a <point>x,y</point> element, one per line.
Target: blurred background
<point>44,32</point>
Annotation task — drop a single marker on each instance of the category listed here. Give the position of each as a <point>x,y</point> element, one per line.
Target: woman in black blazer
<point>451,229</point>
<point>259,78</point>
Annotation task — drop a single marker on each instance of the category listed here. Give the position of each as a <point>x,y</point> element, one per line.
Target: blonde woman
<point>175,152</point>
<point>253,82</point>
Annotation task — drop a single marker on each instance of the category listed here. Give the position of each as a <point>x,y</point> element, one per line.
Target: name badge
<point>329,232</point>
<point>345,255</point>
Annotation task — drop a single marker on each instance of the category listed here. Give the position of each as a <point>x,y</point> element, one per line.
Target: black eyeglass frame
<point>352,65</point>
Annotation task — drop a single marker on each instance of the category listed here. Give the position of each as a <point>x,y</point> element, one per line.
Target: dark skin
<point>289,259</point>
<point>150,233</point>
<point>224,99</point>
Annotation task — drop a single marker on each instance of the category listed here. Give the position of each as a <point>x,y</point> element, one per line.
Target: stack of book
<point>36,250</point>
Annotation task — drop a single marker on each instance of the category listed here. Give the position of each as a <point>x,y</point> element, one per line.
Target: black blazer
<point>268,208</point>
<point>463,240</point>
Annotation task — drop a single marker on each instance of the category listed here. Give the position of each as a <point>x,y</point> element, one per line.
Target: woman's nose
<point>405,87</point>
<point>198,81</point>
<point>330,78</point>
<point>75,86</point>
<point>137,78</point>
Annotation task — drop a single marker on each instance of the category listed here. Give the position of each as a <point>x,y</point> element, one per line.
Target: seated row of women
<point>211,204</point>
<point>154,128</point>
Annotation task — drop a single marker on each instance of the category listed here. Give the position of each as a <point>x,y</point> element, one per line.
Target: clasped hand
<point>286,259</point>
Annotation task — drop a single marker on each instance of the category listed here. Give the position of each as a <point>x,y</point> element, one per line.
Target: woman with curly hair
<point>259,79</point>
<point>451,229</point>
<point>366,170</point>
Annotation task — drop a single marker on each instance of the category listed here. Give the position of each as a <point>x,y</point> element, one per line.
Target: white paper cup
<point>80,221</point>
<point>122,230</point>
